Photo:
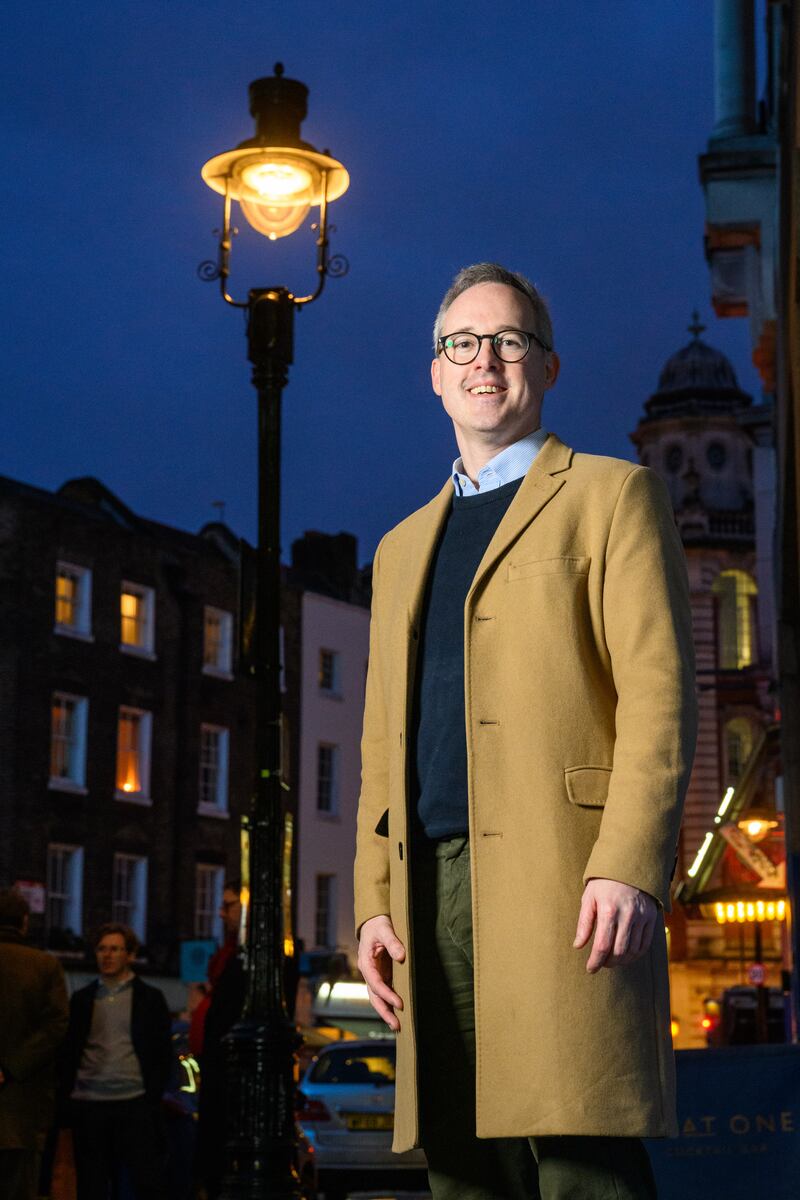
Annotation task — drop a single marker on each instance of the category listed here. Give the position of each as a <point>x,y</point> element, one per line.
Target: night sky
<point>558,139</point>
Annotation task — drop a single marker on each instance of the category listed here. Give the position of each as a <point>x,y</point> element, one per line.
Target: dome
<point>697,365</point>
<point>696,381</point>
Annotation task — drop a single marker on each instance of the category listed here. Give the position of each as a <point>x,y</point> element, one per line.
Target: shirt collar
<point>104,990</point>
<point>510,464</point>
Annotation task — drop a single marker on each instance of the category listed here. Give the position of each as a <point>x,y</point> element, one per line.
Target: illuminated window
<point>133,755</point>
<point>738,747</point>
<point>217,642</point>
<point>129,893</point>
<point>329,672</point>
<point>735,592</point>
<point>213,770</point>
<point>327,778</point>
<point>64,909</point>
<point>209,883</point>
<point>68,741</point>
<point>137,623</point>
<point>325,912</point>
<point>73,600</point>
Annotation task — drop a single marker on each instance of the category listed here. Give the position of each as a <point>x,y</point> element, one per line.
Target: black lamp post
<point>276,178</point>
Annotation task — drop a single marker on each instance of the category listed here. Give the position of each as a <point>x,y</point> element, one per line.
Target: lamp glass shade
<point>274,220</point>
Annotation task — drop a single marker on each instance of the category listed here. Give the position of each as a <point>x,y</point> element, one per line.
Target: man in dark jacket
<point>116,1063</point>
<point>33,1021</point>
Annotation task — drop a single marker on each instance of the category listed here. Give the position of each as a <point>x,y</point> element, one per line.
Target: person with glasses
<point>528,735</point>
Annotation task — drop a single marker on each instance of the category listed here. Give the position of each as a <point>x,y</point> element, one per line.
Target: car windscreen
<point>362,1066</point>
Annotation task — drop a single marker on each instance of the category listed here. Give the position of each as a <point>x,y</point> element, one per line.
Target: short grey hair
<point>487,272</point>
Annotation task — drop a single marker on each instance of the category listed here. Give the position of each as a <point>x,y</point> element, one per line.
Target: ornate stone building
<point>712,447</point>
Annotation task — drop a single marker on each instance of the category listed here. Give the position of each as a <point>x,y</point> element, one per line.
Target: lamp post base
<point>261,1143</point>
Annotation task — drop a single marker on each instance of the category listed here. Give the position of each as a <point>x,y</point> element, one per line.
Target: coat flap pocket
<point>569,565</point>
<point>587,785</point>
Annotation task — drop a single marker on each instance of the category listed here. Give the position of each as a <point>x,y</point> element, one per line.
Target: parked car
<point>346,1109</point>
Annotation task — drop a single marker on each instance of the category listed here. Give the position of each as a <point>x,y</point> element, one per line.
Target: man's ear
<point>551,368</point>
<point>436,382</point>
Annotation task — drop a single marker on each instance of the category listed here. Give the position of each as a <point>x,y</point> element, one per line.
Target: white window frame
<point>223,668</point>
<point>76,780</point>
<point>330,911</point>
<point>218,807</point>
<point>145,750</point>
<point>129,892</point>
<point>145,648</point>
<point>332,810</point>
<point>82,627</point>
<point>71,864</point>
<point>208,888</point>
<point>335,689</point>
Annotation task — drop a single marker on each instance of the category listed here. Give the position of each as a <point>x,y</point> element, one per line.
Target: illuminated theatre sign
<point>738,874</point>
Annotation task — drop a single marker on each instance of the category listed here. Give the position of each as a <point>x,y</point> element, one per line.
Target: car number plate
<point>369,1120</point>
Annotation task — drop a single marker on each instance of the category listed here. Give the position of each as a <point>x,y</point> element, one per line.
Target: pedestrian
<point>33,1022</point>
<point>528,735</point>
<point>227,981</point>
<point>115,1068</point>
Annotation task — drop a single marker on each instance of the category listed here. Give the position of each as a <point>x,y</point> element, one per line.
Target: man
<point>116,1064</point>
<point>226,1000</point>
<point>33,1021</point>
<point>528,734</point>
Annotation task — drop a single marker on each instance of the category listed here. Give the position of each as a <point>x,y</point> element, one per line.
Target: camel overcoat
<point>580,725</point>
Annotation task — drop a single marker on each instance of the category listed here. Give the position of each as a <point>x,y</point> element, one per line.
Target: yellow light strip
<point>747,911</point>
<point>723,808</point>
<point>695,867</point>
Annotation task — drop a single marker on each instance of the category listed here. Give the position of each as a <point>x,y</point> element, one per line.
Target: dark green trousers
<point>462,1166</point>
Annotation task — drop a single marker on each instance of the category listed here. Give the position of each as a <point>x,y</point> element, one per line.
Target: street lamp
<point>276,178</point>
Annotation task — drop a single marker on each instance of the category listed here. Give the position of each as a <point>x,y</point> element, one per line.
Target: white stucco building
<point>334,645</point>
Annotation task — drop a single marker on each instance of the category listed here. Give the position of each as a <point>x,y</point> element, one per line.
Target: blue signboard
<point>194,959</point>
<point>739,1120</point>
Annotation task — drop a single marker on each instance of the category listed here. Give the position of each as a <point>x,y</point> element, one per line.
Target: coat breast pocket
<point>565,565</point>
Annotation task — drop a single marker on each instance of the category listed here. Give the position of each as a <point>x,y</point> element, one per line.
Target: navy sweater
<point>439,753</point>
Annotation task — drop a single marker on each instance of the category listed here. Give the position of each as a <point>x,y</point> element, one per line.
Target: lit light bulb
<point>277,181</point>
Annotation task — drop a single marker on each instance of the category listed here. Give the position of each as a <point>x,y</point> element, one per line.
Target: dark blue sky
<point>559,139</point>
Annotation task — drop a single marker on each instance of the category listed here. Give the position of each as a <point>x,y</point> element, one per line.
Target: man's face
<point>230,911</point>
<point>113,960</point>
<point>513,407</point>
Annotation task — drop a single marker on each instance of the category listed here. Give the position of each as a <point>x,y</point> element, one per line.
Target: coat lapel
<point>541,483</point>
<point>423,535</point>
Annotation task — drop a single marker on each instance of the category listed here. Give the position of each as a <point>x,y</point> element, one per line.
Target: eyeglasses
<point>510,345</point>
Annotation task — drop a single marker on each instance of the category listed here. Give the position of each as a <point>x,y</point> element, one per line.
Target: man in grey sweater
<point>116,1065</point>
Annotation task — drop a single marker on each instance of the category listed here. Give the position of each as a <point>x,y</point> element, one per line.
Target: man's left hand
<point>623,919</point>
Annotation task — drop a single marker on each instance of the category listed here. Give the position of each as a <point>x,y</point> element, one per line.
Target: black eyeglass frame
<point>492,338</point>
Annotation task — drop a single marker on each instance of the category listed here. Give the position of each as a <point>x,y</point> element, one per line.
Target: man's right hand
<point>378,948</point>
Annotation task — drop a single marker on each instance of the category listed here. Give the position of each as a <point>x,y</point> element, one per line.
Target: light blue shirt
<point>510,464</point>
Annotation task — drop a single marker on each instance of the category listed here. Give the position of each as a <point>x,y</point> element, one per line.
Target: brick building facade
<point>126,723</point>
<point>127,716</point>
